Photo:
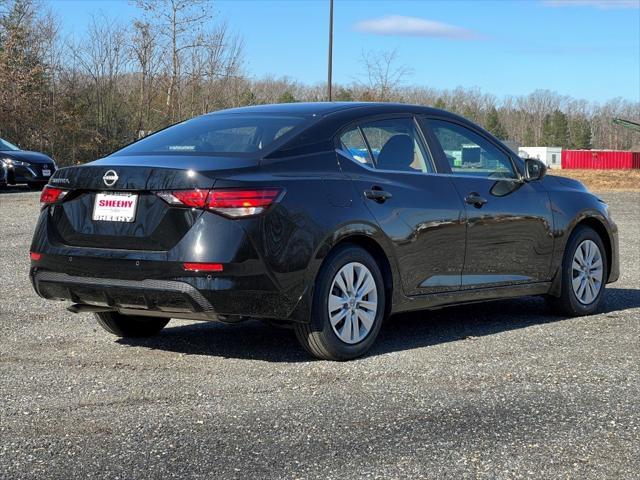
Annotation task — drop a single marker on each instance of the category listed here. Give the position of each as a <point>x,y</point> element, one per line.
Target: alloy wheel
<point>587,272</point>
<point>353,303</point>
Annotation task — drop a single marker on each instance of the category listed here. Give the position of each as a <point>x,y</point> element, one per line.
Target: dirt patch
<point>604,180</point>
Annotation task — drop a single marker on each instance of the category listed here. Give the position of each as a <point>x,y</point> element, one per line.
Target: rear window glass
<point>228,134</point>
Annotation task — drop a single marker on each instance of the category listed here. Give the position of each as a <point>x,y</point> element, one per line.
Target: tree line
<point>80,98</point>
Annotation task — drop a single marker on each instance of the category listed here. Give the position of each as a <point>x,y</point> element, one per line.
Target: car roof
<point>326,108</point>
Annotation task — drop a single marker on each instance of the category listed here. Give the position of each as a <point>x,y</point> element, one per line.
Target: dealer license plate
<point>115,207</point>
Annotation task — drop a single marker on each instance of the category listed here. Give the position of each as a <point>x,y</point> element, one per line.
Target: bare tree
<point>181,23</point>
<point>384,76</point>
<point>104,57</point>
<point>145,52</point>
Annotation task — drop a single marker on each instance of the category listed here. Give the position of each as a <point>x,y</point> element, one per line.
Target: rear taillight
<point>241,203</point>
<point>232,202</point>
<point>35,256</point>
<point>52,195</point>
<point>188,198</point>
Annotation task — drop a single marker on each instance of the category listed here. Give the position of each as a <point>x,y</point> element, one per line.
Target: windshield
<point>215,134</point>
<point>7,146</point>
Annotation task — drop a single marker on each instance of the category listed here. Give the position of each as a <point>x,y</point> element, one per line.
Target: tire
<point>578,303</point>
<point>130,325</point>
<point>321,337</point>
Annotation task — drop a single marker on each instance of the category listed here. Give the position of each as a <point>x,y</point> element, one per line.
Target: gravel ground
<point>500,390</point>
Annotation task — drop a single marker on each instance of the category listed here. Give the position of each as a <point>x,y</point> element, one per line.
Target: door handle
<point>475,199</point>
<point>377,194</point>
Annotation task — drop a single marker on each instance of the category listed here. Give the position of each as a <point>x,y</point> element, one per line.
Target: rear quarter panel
<point>319,209</point>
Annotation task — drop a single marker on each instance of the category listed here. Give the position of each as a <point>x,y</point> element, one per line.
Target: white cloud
<point>415,27</point>
<point>602,4</point>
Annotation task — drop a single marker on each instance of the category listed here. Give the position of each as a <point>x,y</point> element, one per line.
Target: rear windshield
<point>218,134</point>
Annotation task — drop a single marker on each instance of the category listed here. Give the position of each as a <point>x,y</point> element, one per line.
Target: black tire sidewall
<point>321,325</point>
<point>130,325</point>
<point>581,234</point>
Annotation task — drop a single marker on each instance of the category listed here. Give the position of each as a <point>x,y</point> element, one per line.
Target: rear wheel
<point>584,274</point>
<point>348,306</point>
<point>130,325</point>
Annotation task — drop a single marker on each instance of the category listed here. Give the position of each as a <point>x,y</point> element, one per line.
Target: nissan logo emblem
<point>110,178</point>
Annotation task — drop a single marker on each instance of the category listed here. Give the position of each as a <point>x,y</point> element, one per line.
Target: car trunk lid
<point>150,223</point>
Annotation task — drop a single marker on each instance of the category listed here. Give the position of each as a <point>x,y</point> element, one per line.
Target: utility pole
<point>330,48</point>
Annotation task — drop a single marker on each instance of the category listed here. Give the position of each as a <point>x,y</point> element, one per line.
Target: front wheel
<point>130,325</point>
<point>348,306</point>
<point>584,274</point>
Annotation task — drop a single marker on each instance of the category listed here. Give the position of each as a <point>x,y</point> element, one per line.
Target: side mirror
<point>534,169</point>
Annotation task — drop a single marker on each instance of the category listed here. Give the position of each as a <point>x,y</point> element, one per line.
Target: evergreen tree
<point>469,114</point>
<point>581,133</point>
<point>561,128</point>
<point>555,130</point>
<point>529,137</point>
<point>287,97</point>
<point>344,95</point>
<point>494,126</point>
<point>440,103</point>
<point>249,98</point>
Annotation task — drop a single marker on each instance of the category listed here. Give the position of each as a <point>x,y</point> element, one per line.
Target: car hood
<point>564,183</point>
<point>26,156</point>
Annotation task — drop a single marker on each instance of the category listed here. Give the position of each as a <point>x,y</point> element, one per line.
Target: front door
<point>509,221</point>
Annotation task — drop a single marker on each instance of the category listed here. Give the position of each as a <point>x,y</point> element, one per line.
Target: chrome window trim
<point>377,170</point>
<point>346,155</point>
<point>517,180</point>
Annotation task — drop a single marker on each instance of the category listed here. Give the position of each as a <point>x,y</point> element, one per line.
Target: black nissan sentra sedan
<point>23,166</point>
<point>328,217</point>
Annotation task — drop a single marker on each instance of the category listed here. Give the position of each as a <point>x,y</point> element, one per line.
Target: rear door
<point>419,211</point>
<point>509,221</point>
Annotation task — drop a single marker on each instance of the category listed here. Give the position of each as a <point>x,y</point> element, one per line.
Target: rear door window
<point>396,146</point>
<point>352,144</point>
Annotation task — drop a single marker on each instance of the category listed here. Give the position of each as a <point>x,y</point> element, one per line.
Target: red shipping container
<point>600,159</point>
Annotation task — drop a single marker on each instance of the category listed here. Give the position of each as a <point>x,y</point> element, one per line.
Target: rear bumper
<point>257,280</point>
<point>200,297</point>
<point>161,296</point>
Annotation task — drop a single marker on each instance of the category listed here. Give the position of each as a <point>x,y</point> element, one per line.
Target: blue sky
<point>585,48</point>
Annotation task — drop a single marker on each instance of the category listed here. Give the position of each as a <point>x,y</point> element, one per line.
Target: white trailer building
<point>551,156</point>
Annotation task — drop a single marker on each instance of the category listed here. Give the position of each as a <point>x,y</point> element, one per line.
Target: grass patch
<point>604,180</point>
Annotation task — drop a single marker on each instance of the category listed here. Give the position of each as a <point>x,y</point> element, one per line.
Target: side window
<point>395,145</point>
<point>353,144</point>
<point>469,153</point>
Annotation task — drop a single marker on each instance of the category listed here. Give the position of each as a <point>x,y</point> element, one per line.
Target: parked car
<point>23,166</point>
<point>329,217</point>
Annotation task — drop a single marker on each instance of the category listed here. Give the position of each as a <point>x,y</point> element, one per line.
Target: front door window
<point>470,154</point>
